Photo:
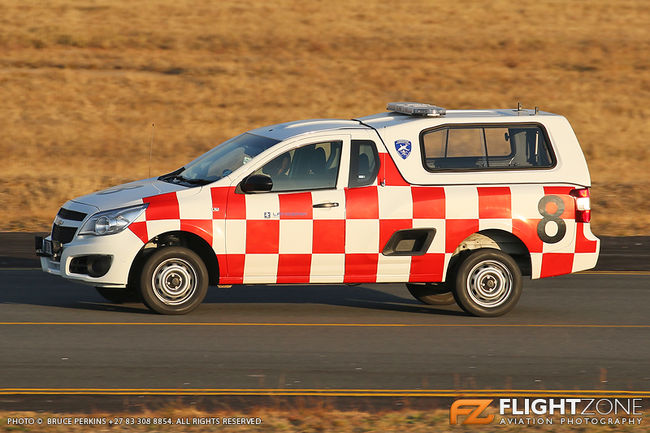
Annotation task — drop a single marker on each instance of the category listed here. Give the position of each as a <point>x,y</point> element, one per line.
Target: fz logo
<point>473,408</point>
<point>267,214</point>
<point>403,148</point>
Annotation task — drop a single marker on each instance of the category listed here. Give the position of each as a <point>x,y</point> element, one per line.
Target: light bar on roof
<point>416,109</point>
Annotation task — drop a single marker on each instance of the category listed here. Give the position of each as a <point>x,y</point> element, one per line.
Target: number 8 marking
<point>548,217</point>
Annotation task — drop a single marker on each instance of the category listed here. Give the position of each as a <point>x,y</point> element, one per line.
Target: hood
<point>128,194</point>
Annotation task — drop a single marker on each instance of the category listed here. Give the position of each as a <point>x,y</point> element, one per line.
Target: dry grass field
<point>81,82</point>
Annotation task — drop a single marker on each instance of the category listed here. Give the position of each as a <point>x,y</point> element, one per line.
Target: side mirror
<point>257,183</point>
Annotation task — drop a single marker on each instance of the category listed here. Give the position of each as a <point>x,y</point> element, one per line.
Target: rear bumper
<point>576,256</point>
<point>587,248</point>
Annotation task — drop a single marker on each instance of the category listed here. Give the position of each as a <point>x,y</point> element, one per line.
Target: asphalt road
<point>578,332</point>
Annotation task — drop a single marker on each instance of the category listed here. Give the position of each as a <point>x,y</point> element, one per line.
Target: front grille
<point>71,215</point>
<point>65,227</point>
<point>63,234</point>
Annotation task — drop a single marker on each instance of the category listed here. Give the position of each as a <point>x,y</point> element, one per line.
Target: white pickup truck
<point>457,204</point>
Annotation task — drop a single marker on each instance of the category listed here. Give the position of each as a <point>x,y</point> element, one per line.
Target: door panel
<point>328,240</point>
<point>282,228</point>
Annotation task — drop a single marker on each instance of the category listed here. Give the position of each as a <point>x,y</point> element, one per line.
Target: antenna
<point>153,128</point>
<point>518,106</point>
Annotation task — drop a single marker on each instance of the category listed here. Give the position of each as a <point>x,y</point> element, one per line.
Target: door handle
<point>325,205</point>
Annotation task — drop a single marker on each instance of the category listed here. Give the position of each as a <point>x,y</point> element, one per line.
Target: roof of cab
<point>282,131</point>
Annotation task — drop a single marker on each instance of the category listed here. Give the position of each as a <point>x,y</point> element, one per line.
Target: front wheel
<point>488,283</point>
<point>174,280</point>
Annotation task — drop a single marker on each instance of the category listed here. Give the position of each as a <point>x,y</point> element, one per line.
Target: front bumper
<point>122,249</point>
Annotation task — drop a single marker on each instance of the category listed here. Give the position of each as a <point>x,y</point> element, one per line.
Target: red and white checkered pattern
<point>281,238</point>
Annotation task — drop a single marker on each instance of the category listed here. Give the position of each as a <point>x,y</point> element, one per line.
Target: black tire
<point>432,293</point>
<point>120,296</point>
<point>174,280</point>
<point>488,283</point>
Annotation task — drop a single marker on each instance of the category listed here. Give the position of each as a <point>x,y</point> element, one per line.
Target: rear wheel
<point>488,283</point>
<point>432,293</point>
<point>174,280</point>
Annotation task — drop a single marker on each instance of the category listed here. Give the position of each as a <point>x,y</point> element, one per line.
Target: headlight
<point>112,221</point>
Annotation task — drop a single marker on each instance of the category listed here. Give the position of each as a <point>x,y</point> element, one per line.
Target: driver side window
<point>314,166</point>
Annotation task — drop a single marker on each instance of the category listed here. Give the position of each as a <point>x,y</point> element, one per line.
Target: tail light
<point>583,205</point>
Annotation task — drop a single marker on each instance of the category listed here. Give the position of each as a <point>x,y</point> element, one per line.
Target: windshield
<point>222,160</point>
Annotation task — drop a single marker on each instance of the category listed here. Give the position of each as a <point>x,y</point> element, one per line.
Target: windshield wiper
<point>171,175</point>
<point>176,176</point>
<point>189,181</point>
<point>193,181</point>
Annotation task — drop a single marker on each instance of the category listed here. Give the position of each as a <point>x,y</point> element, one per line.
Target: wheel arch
<point>180,238</point>
<point>497,239</point>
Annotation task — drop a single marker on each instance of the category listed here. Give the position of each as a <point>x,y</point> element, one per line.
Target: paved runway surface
<point>579,332</point>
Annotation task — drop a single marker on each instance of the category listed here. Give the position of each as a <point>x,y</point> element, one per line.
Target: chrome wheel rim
<point>489,284</point>
<point>174,281</point>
